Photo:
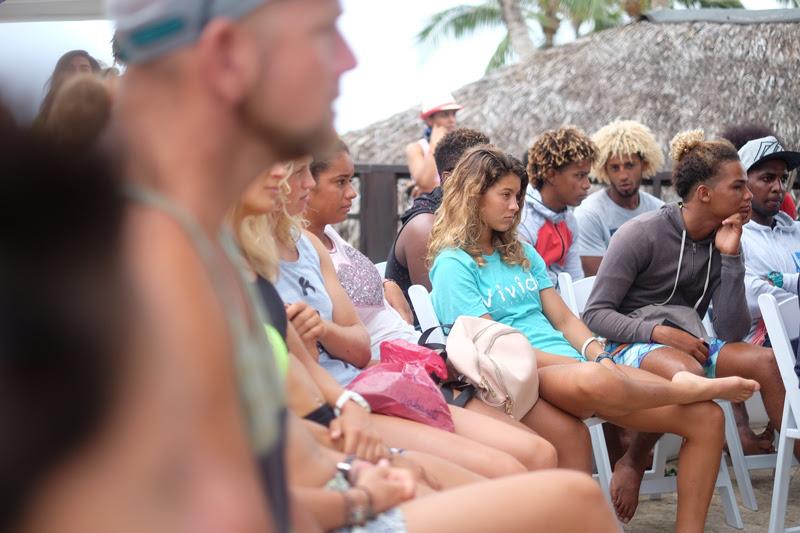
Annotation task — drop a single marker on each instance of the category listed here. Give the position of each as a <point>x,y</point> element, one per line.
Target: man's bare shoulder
<point>175,291</point>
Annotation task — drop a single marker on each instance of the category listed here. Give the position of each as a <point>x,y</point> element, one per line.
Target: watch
<point>346,466</point>
<point>347,396</point>
<point>604,355</point>
<point>776,278</point>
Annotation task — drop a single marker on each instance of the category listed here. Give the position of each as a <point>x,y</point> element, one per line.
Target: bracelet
<point>604,355</point>
<point>370,508</point>
<point>586,344</point>
<point>348,508</point>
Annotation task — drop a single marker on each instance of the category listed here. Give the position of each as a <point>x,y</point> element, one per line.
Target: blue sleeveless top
<point>301,281</point>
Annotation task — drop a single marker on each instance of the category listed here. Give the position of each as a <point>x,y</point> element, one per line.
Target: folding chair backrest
<point>423,308</point>
<point>575,293</point>
<point>566,291</point>
<point>783,324</point>
<point>381,268</point>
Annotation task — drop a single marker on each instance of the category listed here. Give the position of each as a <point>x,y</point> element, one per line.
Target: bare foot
<point>753,444</point>
<point>734,388</point>
<point>624,487</point>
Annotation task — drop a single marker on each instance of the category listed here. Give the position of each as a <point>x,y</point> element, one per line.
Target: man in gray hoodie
<point>682,258</point>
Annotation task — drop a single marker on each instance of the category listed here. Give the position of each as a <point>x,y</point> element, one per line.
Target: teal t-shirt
<point>508,293</point>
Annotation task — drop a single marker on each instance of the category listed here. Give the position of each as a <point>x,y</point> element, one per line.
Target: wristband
<point>776,278</point>
<point>356,515</point>
<point>370,510</point>
<point>349,395</point>
<point>604,355</point>
<point>586,344</point>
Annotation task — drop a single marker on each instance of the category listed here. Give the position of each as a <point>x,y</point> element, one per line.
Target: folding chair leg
<point>725,486</point>
<point>601,460</point>
<point>783,473</point>
<point>738,461</point>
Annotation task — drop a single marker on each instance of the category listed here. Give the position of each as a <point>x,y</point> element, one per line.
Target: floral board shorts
<point>633,354</point>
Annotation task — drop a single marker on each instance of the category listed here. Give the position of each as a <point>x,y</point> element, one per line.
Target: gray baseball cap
<point>147,29</point>
<point>765,149</point>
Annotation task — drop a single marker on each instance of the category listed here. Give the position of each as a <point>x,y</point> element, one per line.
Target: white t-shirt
<point>599,217</point>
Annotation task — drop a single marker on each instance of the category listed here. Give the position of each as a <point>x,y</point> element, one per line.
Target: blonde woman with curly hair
<point>683,258</point>
<point>480,269</point>
<point>627,152</point>
<point>558,168</point>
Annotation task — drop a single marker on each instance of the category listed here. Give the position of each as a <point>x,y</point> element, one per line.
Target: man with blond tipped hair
<point>627,152</point>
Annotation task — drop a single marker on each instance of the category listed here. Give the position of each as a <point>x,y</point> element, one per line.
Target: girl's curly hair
<point>458,223</point>
<point>555,149</point>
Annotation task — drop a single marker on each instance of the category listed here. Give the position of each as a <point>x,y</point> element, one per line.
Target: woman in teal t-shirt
<point>481,269</point>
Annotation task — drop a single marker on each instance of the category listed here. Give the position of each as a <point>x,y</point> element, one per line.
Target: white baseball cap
<point>765,149</point>
<point>147,29</point>
<point>436,102</point>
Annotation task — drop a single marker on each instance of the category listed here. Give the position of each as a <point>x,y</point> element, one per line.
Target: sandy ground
<point>656,516</point>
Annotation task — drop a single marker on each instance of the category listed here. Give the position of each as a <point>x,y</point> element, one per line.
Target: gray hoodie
<point>639,269</point>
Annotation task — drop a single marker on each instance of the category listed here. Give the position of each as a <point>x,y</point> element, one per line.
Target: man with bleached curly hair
<point>627,152</point>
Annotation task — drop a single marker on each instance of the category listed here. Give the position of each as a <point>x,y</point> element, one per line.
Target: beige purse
<point>498,360</point>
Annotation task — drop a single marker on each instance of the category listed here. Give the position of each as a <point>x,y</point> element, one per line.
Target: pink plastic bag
<point>400,351</point>
<point>405,390</point>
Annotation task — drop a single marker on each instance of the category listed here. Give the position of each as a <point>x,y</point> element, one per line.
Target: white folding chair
<point>654,483</point>
<point>381,268</point>
<point>783,324</point>
<point>426,315</point>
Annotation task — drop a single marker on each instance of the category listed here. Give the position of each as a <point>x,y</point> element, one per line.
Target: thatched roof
<point>671,75</point>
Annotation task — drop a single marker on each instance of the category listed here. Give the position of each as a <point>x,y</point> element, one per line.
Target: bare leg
<point>586,389</point>
<point>752,443</point>
<point>628,472</point>
<point>479,458</point>
<point>437,473</point>
<point>757,363</point>
<point>702,426</point>
<point>488,426</point>
<point>568,434</point>
<point>537,502</point>
<point>666,362</point>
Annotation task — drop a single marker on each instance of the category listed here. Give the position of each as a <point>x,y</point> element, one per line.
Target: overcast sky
<point>392,75</point>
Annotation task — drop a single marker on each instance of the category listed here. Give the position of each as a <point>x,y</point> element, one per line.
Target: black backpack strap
<point>423,339</point>
<point>448,391</point>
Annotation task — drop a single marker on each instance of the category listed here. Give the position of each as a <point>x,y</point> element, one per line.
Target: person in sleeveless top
<point>439,114</point>
<point>383,497</point>
<point>202,109</point>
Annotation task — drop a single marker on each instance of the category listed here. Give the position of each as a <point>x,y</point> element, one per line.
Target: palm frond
<point>459,21</point>
<point>725,4</point>
<point>502,55</point>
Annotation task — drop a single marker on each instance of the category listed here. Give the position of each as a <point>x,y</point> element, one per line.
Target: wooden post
<point>378,211</point>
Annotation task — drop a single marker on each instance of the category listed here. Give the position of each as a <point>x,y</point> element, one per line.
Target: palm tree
<point>517,16</point>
